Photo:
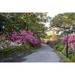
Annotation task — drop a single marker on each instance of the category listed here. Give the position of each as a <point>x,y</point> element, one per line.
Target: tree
<point>2,22</point>
<point>66,20</point>
<point>66,23</point>
<point>28,21</point>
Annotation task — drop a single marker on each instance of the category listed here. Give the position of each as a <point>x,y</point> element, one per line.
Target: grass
<point>63,57</point>
<point>59,50</point>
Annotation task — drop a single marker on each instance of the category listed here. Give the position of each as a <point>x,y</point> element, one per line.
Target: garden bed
<point>63,57</point>
<point>14,52</point>
<point>60,50</point>
<point>18,43</point>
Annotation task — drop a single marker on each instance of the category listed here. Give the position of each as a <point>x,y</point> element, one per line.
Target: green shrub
<point>15,50</point>
<point>59,47</point>
<point>73,58</point>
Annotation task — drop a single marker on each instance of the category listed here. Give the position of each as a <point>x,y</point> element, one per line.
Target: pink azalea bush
<point>24,37</point>
<point>71,40</point>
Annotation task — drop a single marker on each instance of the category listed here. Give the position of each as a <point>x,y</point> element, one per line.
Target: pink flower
<point>71,40</point>
<point>24,36</point>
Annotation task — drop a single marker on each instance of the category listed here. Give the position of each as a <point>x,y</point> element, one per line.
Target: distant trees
<point>64,21</point>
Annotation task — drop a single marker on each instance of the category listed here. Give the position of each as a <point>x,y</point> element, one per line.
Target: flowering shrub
<point>24,37</point>
<point>4,44</point>
<point>71,40</point>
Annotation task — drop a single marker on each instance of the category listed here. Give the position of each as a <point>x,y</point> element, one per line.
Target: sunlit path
<point>44,54</point>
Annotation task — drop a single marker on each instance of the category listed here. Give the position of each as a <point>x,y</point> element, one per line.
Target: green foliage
<point>59,47</point>
<point>13,50</point>
<point>2,22</point>
<point>32,21</point>
<point>72,57</point>
<point>64,21</point>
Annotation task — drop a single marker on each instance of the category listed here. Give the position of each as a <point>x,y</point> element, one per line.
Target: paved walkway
<point>44,54</point>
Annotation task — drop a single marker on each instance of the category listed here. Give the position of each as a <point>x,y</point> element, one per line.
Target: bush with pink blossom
<point>70,38</point>
<point>24,37</point>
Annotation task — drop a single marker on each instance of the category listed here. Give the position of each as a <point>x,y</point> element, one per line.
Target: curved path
<point>44,54</point>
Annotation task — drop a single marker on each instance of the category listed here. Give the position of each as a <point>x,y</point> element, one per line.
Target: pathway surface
<point>44,54</point>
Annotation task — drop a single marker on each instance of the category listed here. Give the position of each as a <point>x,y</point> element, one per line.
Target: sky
<point>54,7</point>
<point>61,6</point>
